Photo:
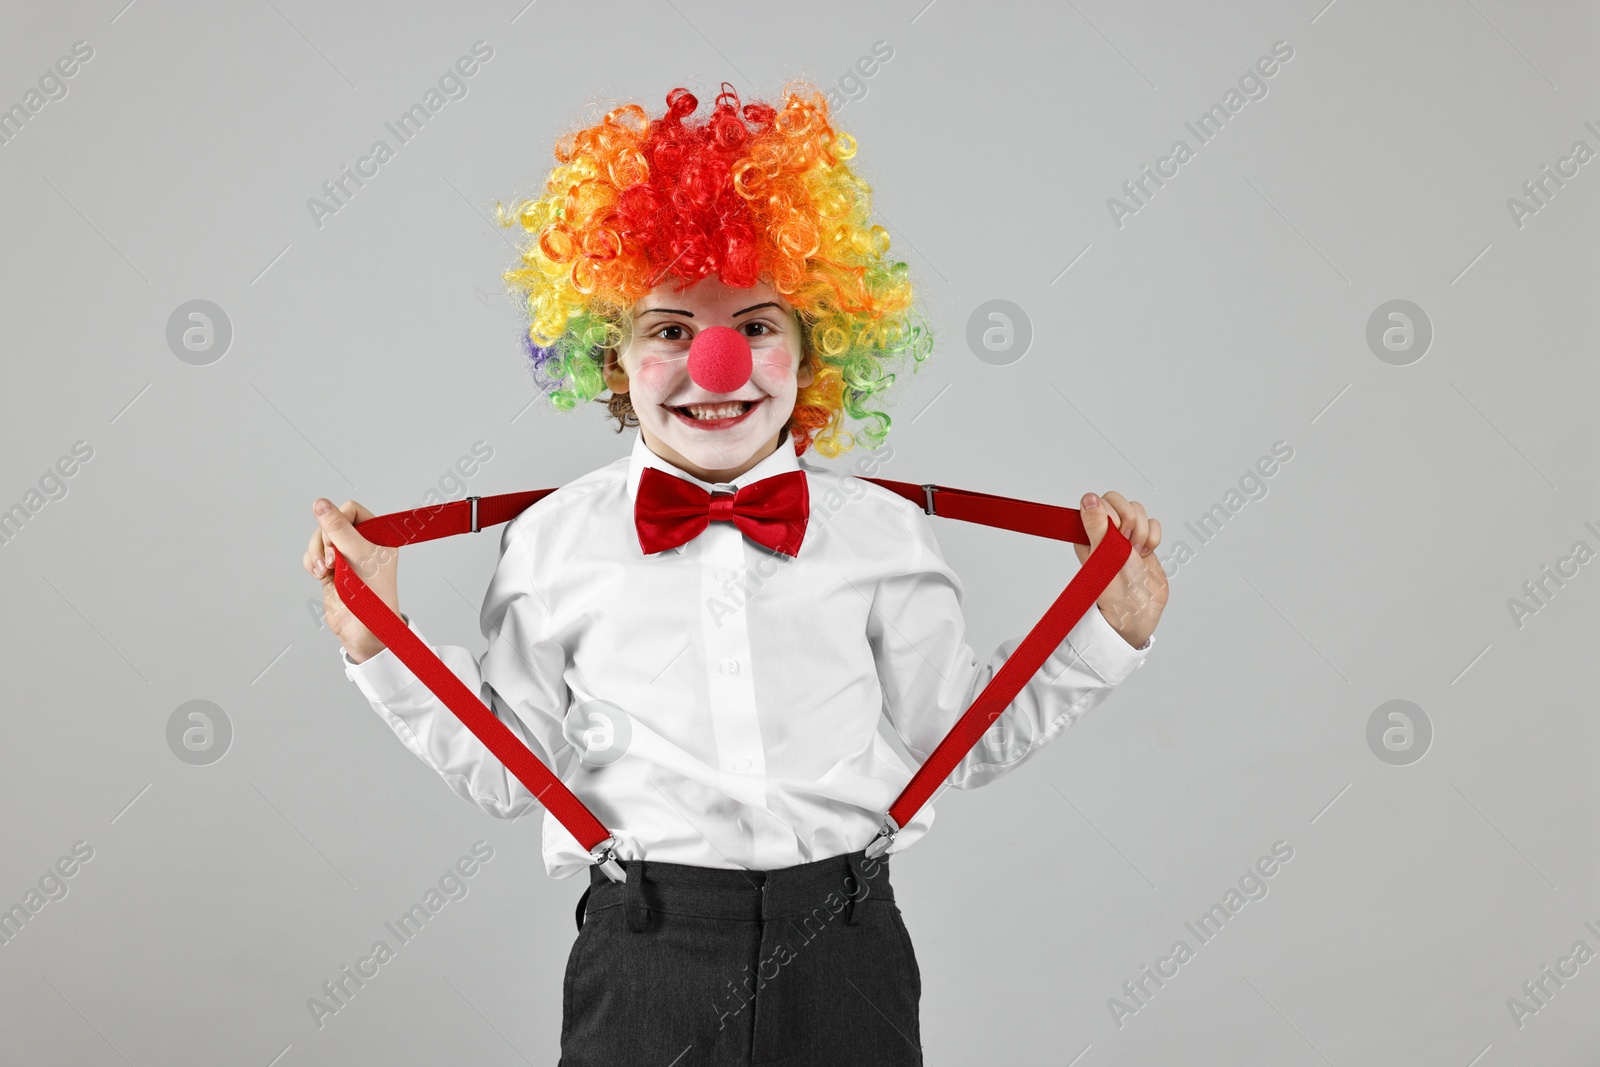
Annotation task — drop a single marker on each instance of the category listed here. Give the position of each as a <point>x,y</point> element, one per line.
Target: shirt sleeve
<point>521,678</point>
<point>931,676</point>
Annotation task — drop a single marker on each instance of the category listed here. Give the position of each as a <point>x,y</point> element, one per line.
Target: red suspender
<point>428,524</point>
<point>1092,579</point>
<point>474,513</point>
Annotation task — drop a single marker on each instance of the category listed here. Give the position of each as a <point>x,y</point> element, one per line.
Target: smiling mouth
<point>715,416</point>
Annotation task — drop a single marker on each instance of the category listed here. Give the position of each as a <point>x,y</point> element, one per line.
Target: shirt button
<point>743,763</point>
<point>730,666</point>
<point>724,574</point>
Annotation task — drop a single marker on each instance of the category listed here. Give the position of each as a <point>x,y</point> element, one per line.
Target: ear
<point>616,378</point>
<point>805,375</point>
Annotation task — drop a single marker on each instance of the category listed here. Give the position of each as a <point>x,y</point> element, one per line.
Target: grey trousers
<point>686,966</point>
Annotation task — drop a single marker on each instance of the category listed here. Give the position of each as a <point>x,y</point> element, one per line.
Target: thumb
<point>337,528</point>
<point>1096,517</point>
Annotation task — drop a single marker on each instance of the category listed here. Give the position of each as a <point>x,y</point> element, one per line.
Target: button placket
<point>730,682</point>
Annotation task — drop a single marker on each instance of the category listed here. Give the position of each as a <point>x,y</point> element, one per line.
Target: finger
<point>1131,520</point>
<point>1095,516</point>
<point>1126,517</point>
<point>1122,509</point>
<point>1141,528</point>
<point>1137,528</point>
<point>352,512</point>
<point>357,513</point>
<point>1155,534</point>
<point>337,529</point>
<point>315,549</point>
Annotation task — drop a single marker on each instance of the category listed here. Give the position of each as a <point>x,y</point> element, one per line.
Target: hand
<point>376,566</point>
<point>1137,596</point>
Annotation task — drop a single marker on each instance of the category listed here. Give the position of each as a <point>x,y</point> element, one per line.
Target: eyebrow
<point>690,314</point>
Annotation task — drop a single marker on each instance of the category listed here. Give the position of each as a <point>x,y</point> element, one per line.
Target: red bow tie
<point>669,511</point>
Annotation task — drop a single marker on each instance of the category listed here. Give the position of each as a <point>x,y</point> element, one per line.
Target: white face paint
<point>654,372</point>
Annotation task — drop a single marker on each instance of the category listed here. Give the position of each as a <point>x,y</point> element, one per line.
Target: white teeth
<point>715,411</point>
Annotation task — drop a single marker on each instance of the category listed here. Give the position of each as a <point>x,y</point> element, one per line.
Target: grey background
<point>1229,313</point>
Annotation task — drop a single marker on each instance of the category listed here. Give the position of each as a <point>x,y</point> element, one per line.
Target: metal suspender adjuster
<point>605,854</point>
<point>880,844</point>
<point>927,492</point>
<point>474,514</point>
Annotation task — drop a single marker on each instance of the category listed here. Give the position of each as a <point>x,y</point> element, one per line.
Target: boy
<point>716,644</point>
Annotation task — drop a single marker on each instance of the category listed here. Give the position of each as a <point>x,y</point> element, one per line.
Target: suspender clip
<point>927,491</point>
<point>605,854</point>
<point>880,844</point>
<point>474,514</point>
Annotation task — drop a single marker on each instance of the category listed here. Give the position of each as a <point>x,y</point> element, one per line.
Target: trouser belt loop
<point>583,903</point>
<point>856,887</point>
<point>638,913</point>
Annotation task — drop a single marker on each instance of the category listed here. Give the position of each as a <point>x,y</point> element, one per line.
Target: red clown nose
<point>719,360</point>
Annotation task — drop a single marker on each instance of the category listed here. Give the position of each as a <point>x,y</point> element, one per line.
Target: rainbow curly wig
<point>752,194</point>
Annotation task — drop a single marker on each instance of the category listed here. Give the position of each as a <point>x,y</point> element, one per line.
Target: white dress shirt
<point>730,706</point>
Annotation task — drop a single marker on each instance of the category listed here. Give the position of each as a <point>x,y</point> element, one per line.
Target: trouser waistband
<point>838,882</point>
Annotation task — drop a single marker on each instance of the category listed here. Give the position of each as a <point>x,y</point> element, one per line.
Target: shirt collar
<point>780,461</point>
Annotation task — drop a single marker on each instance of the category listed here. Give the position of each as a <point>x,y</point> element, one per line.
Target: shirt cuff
<point>1103,650</point>
<point>384,676</point>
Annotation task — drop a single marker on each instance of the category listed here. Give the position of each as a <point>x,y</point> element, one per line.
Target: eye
<point>765,329</point>
<point>669,326</point>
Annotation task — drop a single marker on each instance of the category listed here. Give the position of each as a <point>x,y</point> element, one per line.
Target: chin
<point>723,449</point>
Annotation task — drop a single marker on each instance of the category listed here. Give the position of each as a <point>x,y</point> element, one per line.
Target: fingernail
<point>320,507</point>
<point>1093,501</point>
<point>318,567</point>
